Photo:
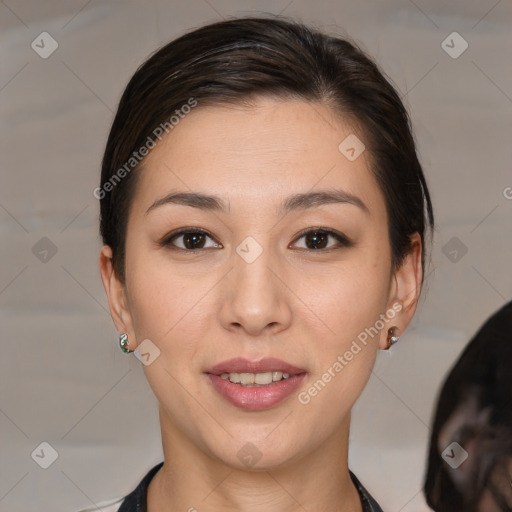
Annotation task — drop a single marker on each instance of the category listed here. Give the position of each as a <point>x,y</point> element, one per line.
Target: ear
<point>116,295</point>
<point>404,291</point>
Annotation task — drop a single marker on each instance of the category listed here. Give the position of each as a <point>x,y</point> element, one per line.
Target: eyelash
<point>167,240</point>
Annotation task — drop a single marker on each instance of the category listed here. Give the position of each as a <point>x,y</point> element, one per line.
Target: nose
<point>256,298</point>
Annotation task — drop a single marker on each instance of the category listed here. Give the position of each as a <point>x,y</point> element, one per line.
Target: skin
<point>302,306</point>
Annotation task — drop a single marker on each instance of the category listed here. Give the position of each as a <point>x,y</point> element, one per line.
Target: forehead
<point>258,153</point>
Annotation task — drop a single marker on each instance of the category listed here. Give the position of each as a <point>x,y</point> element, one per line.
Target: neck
<point>192,480</point>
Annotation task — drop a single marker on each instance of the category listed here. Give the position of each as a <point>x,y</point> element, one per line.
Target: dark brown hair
<point>240,59</point>
<point>479,390</point>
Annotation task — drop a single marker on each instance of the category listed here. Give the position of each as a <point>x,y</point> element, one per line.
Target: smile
<point>255,379</point>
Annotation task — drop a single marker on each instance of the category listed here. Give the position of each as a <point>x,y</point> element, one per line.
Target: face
<point>299,284</point>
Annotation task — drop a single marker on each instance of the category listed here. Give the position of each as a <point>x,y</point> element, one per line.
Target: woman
<point>264,218</point>
<point>470,456</point>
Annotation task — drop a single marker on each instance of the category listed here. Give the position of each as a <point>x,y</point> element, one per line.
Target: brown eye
<point>191,240</point>
<point>318,239</point>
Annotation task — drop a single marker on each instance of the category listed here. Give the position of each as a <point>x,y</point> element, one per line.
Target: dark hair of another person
<point>479,389</point>
<point>241,59</point>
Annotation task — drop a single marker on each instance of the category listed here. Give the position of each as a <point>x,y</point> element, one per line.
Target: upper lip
<point>241,365</point>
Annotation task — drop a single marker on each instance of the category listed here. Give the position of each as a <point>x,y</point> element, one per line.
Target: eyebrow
<point>292,203</point>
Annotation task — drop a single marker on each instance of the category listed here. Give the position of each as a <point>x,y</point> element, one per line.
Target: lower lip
<point>256,398</point>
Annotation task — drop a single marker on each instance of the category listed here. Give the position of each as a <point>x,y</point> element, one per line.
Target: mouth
<point>255,385</point>
<point>247,373</point>
<point>255,379</point>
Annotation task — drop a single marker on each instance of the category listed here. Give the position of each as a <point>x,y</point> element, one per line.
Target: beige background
<point>64,380</point>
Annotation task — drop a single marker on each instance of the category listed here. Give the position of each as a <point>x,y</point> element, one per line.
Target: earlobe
<point>116,295</point>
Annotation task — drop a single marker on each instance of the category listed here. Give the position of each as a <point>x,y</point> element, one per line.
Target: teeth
<point>255,379</point>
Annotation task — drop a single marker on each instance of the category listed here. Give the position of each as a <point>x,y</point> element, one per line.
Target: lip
<point>256,398</point>
<point>241,365</point>
<point>252,398</point>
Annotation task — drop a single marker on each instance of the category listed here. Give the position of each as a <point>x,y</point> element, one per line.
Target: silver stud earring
<point>123,342</point>
<point>391,338</point>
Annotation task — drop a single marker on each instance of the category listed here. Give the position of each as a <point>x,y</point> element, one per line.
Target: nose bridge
<point>256,297</point>
<point>253,279</point>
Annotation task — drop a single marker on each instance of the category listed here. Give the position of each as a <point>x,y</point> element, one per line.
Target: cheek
<point>172,307</point>
<point>349,298</point>
<point>158,297</point>
<point>351,305</point>
<point>162,305</point>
